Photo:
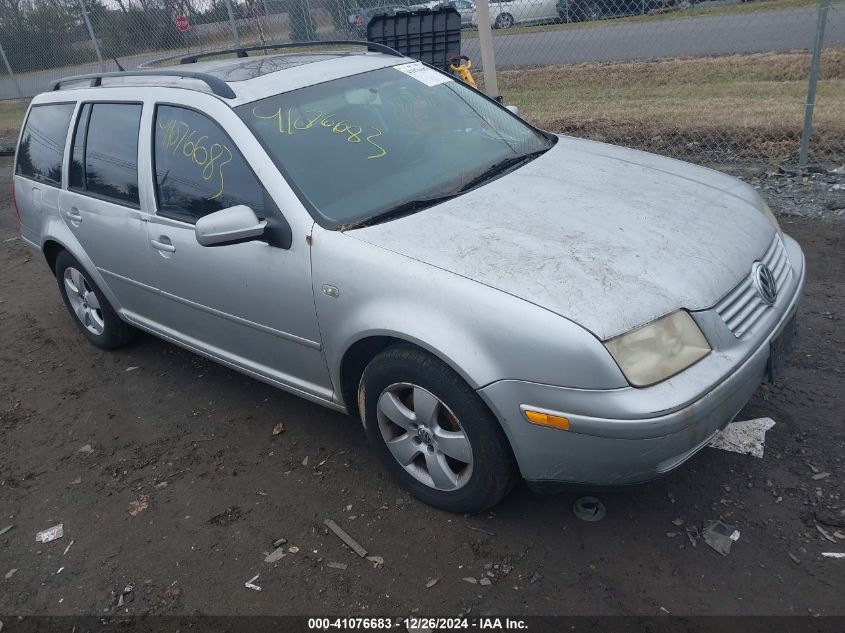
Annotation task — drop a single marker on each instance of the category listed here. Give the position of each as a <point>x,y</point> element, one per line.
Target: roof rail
<point>243,52</point>
<point>217,85</point>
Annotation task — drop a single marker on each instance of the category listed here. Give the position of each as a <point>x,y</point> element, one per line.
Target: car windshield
<point>387,142</point>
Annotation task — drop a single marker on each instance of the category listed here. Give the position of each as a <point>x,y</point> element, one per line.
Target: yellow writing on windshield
<point>289,122</point>
<point>179,139</point>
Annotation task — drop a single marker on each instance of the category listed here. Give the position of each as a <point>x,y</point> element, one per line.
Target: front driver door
<point>248,304</point>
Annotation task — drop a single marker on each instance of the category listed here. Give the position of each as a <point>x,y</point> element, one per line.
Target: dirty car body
<point>609,310</point>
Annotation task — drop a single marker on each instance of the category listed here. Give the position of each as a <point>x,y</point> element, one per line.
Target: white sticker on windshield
<point>423,73</point>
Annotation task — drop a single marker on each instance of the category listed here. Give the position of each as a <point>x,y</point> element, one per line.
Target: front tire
<point>504,21</point>
<point>88,306</point>
<point>433,433</point>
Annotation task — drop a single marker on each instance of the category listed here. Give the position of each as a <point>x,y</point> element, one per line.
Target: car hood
<point>608,237</point>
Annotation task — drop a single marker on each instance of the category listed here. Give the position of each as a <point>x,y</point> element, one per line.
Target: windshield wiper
<point>406,208</point>
<point>497,168</point>
<point>412,206</point>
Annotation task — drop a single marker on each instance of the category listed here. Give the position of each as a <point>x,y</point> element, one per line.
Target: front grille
<point>743,306</point>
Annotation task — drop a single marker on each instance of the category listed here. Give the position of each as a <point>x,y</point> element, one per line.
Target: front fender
<point>484,334</point>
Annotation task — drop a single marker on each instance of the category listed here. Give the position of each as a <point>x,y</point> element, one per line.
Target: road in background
<point>758,32</point>
<point>755,32</point>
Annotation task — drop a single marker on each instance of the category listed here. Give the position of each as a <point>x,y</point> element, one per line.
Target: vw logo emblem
<point>424,435</point>
<point>767,286</point>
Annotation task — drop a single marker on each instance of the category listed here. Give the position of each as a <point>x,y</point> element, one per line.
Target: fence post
<point>485,40</point>
<point>233,24</point>
<point>811,87</point>
<point>267,20</point>
<point>9,70</point>
<point>91,33</point>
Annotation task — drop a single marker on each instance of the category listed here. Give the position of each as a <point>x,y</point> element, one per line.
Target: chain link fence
<point>712,81</point>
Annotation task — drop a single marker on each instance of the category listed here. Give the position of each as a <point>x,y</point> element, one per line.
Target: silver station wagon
<point>357,228</point>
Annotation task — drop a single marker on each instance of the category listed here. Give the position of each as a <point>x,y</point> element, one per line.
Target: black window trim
<point>79,112</point>
<point>84,191</point>
<point>48,183</point>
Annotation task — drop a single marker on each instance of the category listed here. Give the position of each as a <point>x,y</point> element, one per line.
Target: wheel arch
<point>360,352</point>
<point>52,246</point>
<point>51,249</point>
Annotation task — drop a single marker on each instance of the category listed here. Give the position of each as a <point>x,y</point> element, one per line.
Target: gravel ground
<point>164,471</point>
<point>821,197</point>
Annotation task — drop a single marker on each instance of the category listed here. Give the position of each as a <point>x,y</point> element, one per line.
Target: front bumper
<point>627,436</point>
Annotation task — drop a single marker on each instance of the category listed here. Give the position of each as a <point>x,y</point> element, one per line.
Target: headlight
<point>771,216</point>
<point>659,350</point>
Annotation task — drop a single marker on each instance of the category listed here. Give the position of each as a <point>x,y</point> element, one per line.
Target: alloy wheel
<point>424,436</point>
<point>83,301</point>
<point>504,21</point>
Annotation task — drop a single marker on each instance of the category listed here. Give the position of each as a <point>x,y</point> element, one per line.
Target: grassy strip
<point>656,16</point>
<point>752,104</point>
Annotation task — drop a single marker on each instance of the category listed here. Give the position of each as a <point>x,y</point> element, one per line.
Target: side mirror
<point>229,226</point>
<point>513,109</point>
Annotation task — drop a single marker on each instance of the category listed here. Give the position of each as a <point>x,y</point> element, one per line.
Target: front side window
<point>104,155</point>
<point>198,169</point>
<point>389,140</point>
<point>42,145</point>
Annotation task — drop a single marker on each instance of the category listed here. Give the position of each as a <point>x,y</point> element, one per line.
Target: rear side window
<point>198,169</point>
<point>42,144</point>
<point>104,156</point>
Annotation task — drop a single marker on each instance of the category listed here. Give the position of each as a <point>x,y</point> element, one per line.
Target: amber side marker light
<point>545,419</point>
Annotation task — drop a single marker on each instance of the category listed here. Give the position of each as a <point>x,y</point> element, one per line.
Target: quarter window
<point>198,169</point>
<point>104,155</point>
<point>42,145</point>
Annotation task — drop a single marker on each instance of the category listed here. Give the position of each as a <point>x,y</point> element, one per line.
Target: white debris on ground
<point>50,534</point>
<point>747,437</point>
<point>250,584</point>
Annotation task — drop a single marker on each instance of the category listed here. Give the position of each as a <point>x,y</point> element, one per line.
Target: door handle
<point>164,244</point>
<point>73,215</point>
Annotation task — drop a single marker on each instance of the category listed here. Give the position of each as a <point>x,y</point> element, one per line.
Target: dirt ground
<point>184,488</point>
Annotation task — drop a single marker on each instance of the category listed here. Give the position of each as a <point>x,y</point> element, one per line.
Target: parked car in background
<point>465,7</point>
<point>506,13</point>
<point>359,20</point>
<point>586,10</point>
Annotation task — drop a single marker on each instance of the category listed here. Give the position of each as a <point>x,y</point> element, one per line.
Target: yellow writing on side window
<point>179,140</point>
<point>290,123</point>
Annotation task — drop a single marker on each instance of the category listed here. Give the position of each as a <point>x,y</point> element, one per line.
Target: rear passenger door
<point>540,10</point>
<point>101,205</point>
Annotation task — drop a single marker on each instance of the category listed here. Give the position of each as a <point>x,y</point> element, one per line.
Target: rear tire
<point>88,306</point>
<point>433,433</point>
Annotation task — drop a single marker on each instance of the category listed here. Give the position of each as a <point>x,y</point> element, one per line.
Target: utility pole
<point>485,39</point>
